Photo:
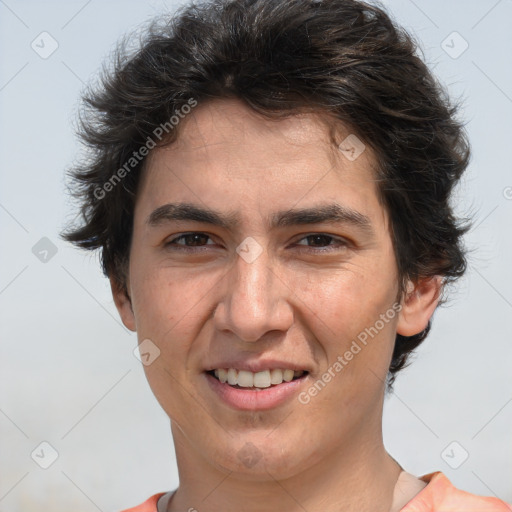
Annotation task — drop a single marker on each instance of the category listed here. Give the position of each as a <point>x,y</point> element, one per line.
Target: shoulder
<point>150,505</point>
<point>440,495</point>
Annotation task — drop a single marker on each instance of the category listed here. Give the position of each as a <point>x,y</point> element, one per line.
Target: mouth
<point>255,381</point>
<point>250,391</point>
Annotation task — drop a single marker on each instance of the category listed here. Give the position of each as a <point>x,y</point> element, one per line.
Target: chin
<point>255,457</point>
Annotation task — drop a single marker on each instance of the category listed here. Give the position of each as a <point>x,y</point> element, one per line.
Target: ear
<point>418,305</point>
<point>123,304</point>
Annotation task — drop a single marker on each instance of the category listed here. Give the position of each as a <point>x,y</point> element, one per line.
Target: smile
<point>246,390</point>
<point>258,380</point>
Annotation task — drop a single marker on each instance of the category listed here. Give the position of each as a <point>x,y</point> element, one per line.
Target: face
<point>260,254</point>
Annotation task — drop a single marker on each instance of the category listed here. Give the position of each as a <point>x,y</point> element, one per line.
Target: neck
<point>357,478</point>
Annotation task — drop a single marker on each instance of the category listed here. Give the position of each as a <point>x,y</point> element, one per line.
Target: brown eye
<point>319,240</point>
<point>189,240</point>
<point>322,242</point>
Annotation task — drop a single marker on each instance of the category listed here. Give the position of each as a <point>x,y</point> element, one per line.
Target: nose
<point>254,300</point>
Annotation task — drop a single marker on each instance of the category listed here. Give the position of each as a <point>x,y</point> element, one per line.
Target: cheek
<point>155,293</point>
<point>167,305</point>
<point>346,301</point>
<point>155,304</point>
<point>351,314</point>
<point>170,305</point>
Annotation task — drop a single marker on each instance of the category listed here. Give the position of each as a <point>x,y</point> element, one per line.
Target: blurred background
<point>79,426</point>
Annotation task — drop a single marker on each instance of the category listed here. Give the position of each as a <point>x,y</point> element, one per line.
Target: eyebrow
<point>329,213</point>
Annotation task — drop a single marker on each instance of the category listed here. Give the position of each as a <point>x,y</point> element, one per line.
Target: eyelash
<point>171,244</point>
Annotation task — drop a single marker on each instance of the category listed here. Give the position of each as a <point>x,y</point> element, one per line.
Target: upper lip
<point>255,366</point>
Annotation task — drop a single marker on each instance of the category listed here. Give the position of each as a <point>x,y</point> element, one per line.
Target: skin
<point>303,300</point>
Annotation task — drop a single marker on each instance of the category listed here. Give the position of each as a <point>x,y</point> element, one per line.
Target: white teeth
<point>263,379</point>
<point>245,379</point>
<point>276,376</point>
<point>288,375</point>
<point>232,377</point>
<point>223,375</point>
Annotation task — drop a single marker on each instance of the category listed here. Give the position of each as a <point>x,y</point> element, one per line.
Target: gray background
<point>68,375</point>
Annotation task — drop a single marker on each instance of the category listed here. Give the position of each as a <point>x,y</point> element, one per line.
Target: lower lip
<point>251,399</point>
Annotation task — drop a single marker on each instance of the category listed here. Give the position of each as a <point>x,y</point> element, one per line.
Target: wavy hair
<point>344,58</point>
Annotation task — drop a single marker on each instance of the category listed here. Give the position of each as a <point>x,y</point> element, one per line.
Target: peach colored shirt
<point>438,496</point>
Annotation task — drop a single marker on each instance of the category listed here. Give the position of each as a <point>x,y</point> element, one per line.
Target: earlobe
<point>418,305</point>
<point>123,304</point>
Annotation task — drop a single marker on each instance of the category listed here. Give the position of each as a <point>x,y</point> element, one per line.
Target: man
<point>269,186</point>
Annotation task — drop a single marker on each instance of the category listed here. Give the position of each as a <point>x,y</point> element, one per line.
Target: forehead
<point>210,122</point>
<point>224,147</point>
<point>230,122</point>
